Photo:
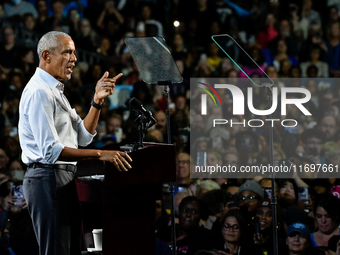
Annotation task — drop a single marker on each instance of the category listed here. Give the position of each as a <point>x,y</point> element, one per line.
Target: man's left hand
<point>105,87</point>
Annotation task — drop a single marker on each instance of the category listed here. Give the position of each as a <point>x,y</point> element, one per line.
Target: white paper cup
<point>97,237</point>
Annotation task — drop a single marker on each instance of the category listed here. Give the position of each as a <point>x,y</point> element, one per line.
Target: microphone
<point>128,105</point>
<point>135,104</point>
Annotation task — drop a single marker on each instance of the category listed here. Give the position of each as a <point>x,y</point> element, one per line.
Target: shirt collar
<point>49,79</point>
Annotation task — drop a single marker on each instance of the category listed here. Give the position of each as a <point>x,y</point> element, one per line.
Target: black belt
<point>65,167</point>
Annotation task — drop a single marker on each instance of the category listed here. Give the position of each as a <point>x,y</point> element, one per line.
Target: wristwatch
<point>97,106</point>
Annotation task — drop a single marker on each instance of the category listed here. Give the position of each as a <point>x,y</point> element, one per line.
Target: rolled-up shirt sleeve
<point>84,136</point>
<point>45,136</point>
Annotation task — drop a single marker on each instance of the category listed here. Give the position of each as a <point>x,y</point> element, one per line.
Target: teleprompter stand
<point>156,66</point>
<point>237,54</point>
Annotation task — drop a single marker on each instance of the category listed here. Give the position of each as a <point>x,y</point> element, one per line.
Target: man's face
<point>180,103</point>
<point>183,166</point>
<point>296,243</point>
<point>9,35</point>
<point>161,121</point>
<point>313,143</point>
<point>328,126</point>
<point>189,216</point>
<point>250,199</point>
<point>63,59</point>
<point>112,125</point>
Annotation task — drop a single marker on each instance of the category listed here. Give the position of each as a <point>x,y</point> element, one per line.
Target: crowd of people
<point>297,44</point>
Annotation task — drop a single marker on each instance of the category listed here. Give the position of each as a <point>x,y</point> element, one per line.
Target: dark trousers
<point>54,208</point>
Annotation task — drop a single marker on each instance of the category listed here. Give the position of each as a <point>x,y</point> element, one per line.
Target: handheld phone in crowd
<point>232,198</point>
<point>257,227</point>
<point>303,195</point>
<point>18,193</point>
<point>268,193</point>
<point>182,188</point>
<point>201,158</point>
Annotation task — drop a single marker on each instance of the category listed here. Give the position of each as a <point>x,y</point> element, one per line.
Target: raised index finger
<point>117,76</point>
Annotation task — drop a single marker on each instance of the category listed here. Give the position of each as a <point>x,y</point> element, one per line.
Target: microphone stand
<point>273,199</point>
<point>171,184</point>
<point>143,125</point>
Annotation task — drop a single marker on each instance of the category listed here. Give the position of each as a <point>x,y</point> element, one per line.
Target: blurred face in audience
<point>250,199</point>
<point>9,36</point>
<point>198,123</point>
<point>74,16</point>
<point>58,8</point>
<point>328,126</point>
<point>183,166</point>
<point>29,22</point>
<point>296,243</point>
<point>271,72</point>
<point>334,14</point>
<point>202,146</point>
<point>281,46</point>
<point>161,121</point>
<point>312,142</point>
<point>3,159</point>
<point>231,230</point>
<point>146,12</point>
<point>325,223</point>
<point>112,124</point>
<point>85,27</point>
<point>231,159</point>
<point>189,216</point>
<point>287,191</point>
<point>213,159</point>
<point>335,30</point>
<point>284,27</point>
<point>265,217</point>
<point>180,103</point>
<point>335,111</point>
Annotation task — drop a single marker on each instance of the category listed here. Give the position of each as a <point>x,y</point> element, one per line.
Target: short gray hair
<point>50,42</point>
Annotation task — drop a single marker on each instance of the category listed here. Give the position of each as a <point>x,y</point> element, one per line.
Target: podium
<point>123,205</point>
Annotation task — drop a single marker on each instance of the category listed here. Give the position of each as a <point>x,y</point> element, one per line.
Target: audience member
<point>326,211</point>
<point>183,162</point>
<point>190,237</point>
<point>235,235</point>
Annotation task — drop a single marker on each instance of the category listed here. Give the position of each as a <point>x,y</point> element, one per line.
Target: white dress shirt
<point>47,123</point>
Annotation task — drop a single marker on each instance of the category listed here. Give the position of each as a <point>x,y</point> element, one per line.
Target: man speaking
<point>50,132</point>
